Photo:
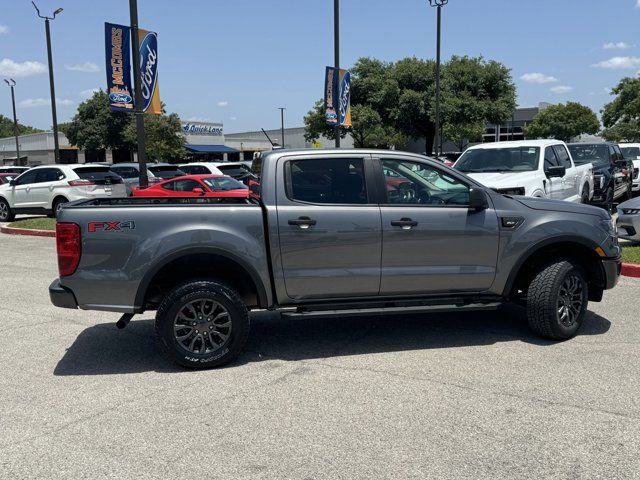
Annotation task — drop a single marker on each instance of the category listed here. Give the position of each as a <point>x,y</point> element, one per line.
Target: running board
<point>359,312</point>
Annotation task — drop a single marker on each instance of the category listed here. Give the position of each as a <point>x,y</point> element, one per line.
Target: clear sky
<point>236,61</point>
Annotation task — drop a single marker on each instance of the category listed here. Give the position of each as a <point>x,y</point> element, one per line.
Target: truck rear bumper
<point>612,268</point>
<point>61,296</point>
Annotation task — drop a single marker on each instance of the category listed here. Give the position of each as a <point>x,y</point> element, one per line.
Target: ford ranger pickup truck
<point>533,168</point>
<point>335,232</point>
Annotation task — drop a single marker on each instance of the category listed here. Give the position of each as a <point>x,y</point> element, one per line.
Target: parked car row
<point>43,190</point>
<point>596,173</point>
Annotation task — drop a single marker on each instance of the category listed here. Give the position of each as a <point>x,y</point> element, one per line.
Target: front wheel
<point>6,215</point>
<point>557,300</point>
<point>202,324</point>
<point>584,198</point>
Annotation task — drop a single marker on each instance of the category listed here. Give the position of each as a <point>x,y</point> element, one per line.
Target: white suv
<point>631,151</point>
<point>44,189</point>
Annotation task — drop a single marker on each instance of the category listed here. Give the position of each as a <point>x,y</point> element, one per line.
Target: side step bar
<point>359,312</point>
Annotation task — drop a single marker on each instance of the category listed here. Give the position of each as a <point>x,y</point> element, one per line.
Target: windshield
<point>516,159</point>
<point>595,154</point>
<point>234,170</point>
<point>96,173</point>
<point>223,184</point>
<point>166,171</point>
<point>632,153</point>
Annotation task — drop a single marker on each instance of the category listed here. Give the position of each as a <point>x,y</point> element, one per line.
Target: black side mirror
<point>622,164</point>
<point>478,199</point>
<point>556,172</point>
<point>12,183</point>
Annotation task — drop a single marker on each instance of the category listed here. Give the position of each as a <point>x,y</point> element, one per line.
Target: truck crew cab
<point>334,232</point>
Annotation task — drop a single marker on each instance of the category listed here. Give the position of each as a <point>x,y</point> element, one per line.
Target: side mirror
<point>12,183</point>
<point>198,191</point>
<point>556,172</point>
<point>478,199</point>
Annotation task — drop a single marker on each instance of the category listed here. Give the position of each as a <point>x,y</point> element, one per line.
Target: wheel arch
<point>57,197</point>
<point>578,249</point>
<point>231,269</point>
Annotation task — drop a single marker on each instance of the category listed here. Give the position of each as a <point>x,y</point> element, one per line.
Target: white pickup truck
<point>533,168</point>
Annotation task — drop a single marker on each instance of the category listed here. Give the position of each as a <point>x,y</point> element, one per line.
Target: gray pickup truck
<point>336,232</point>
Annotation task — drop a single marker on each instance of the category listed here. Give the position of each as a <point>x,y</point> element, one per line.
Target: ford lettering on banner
<point>149,72</point>
<point>118,67</point>
<point>345,98</point>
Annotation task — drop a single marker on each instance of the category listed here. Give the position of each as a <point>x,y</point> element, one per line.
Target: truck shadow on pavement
<point>104,350</point>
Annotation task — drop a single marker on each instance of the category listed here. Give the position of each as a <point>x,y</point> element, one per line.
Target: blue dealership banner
<point>337,97</point>
<point>118,66</point>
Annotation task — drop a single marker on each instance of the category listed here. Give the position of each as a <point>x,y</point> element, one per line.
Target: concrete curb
<point>27,231</point>
<point>631,270</point>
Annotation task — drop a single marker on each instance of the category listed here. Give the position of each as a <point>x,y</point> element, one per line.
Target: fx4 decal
<point>110,226</point>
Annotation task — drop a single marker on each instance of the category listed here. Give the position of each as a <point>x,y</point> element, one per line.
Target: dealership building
<point>207,141</point>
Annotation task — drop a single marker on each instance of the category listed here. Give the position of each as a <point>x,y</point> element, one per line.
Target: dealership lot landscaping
<point>426,396</point>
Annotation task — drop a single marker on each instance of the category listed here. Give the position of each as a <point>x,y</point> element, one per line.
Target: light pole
<point>282,109</point>
<point>12,83</point>
<point>137,93</point>
<point>336,54</point>
<point>56,145</point>
<point>438,4</point>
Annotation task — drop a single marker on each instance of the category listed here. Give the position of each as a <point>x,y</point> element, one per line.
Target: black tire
<point>57,205</point>
<point>216,344</point>
<point>585,194</point>
<point>6,215</point>
<point>546,302</point>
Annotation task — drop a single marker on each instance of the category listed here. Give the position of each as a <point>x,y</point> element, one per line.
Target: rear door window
<point>49,175</point>
<point>326,181</point>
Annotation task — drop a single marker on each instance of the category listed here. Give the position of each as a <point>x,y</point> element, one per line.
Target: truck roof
<point>517,143</point>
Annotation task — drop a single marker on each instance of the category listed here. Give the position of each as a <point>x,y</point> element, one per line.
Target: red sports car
<point>7,177</point>
<point>217,186</point>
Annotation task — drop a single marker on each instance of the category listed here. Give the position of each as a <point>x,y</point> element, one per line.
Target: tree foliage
<point>96,127</point>
<point>563,122</point>
<point>162,136</point>
<point>6,128</point>
<point>463,133</point>
<point>402,95</point>
<point>621,117</point>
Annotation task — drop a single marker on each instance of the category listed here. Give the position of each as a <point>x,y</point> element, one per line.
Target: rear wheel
<point>6,215</point>
<point>202,324</point>
<point>57,206</point>
<point>557,300</point>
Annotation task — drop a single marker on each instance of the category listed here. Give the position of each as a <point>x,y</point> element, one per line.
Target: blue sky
<point>236,61</point>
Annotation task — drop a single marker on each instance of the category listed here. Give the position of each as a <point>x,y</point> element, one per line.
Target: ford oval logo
<point>120,98</point>
<point>148,68</point>
<point>345,96</point>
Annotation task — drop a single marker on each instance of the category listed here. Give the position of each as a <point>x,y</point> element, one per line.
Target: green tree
<point>463,133</point>
<point>621,117</point>
<point>163,137</point>
<point>6,128</point>
<point>96,127</point>
<point>368,130</point>
<point>563,122</point>
<point>403,96</point>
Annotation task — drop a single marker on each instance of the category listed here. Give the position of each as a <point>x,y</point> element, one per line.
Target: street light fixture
<point>54,115</point>
<point>438,141</point>
<point>12,83</point>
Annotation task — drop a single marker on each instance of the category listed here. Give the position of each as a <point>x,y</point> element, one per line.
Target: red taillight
<point>69,247</point>
<point>80,183</point>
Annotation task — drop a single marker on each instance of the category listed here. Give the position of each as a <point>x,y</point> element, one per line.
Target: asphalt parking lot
<point>439,396</point>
